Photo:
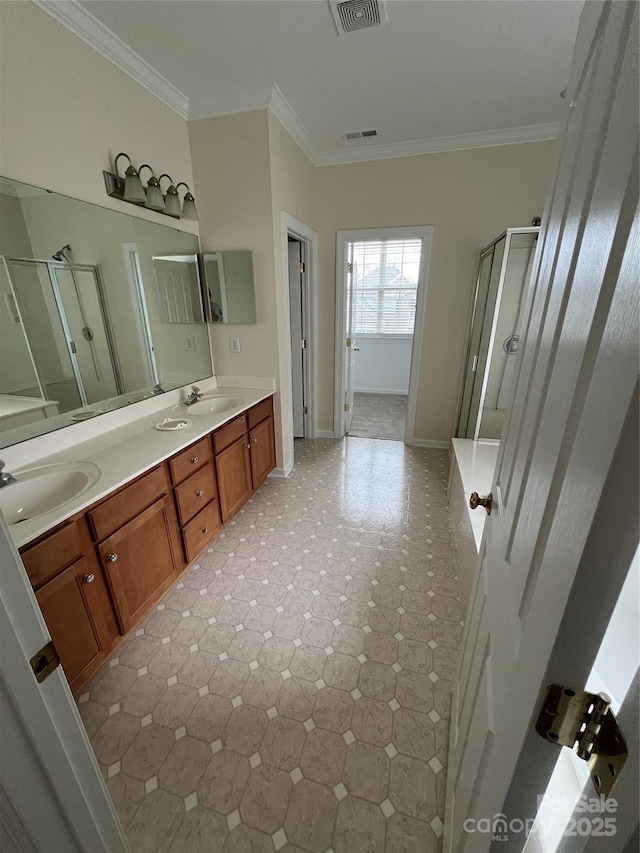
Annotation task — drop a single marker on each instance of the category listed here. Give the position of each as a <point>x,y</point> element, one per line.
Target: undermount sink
<point>212,405</point>
<point>40,490</point>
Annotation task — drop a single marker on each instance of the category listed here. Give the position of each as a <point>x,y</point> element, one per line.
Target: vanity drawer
<point>127,503</point>
<point>186,462</point>
<point>201,530</point>
<point>226,435</point>
<point>195,492</point>
<point>260,412</point>
<point>54,553</point>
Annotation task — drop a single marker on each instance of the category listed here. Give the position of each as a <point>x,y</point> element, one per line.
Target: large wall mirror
<point>98,310</point>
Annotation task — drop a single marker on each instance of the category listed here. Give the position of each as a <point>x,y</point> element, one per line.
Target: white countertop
<point>125,452</point>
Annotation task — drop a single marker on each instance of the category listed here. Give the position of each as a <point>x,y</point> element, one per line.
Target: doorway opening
<point>381,278</point>
<point>299,260</point>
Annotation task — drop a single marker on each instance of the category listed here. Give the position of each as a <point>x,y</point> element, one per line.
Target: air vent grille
<point>360,134</point>
<point>352,15</point>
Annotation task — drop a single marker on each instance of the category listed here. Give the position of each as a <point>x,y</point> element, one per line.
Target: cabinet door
<point>140,559</point>
<point>66,609</point>
<point>233,468</point>
<point>262,451</point>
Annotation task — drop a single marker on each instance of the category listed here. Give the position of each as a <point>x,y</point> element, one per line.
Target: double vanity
<point>106,527</point>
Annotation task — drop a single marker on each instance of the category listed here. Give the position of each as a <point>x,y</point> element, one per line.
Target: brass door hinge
<point>303,344</point>
<point>347,407</point>
<point>585,721</point>
<point>304,410</point>
<point>44,662</point>
<point>349,267</point>
<point>348,343</point>
<point>302,267</point>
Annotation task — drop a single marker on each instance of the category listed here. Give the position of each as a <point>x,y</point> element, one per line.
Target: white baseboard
<point>325,433</point>
<point>282,472</point>
<point>427,442</point>
<point>402,391</point>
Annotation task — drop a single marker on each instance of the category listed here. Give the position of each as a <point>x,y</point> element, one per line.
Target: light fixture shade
<point>155,198</point>
<point>189,209</point>
<point>133,189</point>
<point>172,203</point>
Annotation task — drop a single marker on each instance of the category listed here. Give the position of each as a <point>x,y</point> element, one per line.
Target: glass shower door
<point>77,289</point>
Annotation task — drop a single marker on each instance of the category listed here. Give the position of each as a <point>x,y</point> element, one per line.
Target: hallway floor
<point>379,416</point>
<point>293,691</point>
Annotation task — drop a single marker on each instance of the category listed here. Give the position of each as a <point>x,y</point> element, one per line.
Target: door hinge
<point>304,410</point>
<point>585,723</point>
<point>302,267</point>
<point>72,345</point>
<point>350,267</point>
<point>347,407</point>
<point>303,344</point>
<point>44,662</point>
<point>474,366</point>
<point>348,342</point>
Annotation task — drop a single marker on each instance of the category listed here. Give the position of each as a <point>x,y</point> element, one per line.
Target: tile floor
<point>379,416</point>
<point>293,691</point>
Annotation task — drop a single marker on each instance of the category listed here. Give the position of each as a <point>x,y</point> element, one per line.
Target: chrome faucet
<point>194,396</point>
<point>5,479</point>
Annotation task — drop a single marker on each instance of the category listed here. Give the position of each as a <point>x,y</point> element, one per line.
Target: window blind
<point>385,282</point>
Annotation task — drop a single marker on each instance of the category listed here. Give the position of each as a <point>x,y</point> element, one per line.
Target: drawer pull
<point>113,558</point>
<point>199,493</point>
<point>194,459</point>
<point>89,578</point>
<point>248,446</point>
<point>241,420</point>
<point>205,529</point>
<point>254,440</point>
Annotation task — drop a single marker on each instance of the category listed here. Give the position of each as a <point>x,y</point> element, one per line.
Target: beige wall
<point>65,111</point>
<point>468,197</point>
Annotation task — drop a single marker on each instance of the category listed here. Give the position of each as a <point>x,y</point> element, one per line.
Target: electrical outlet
<point>190,343</point>
<point>234,344</point>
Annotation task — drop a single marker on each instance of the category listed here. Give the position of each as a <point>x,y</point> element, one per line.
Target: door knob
<point>89,578</point>
<point>113,558</point>
<point>475,501</point>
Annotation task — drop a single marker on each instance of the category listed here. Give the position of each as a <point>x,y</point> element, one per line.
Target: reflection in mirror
<point>230,286</point>
<point>85,324</point>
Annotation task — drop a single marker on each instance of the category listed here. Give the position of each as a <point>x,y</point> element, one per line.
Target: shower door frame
<point>508,234</point>
<point>95,269</point>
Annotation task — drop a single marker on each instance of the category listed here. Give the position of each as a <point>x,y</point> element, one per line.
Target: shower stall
<point>501,286</point>
<point>62,310</point>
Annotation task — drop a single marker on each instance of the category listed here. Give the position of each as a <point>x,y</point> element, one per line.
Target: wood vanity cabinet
<point>233,465</point>
<point>138,544</point>
<point>71,591</point>
<point>261,439</point>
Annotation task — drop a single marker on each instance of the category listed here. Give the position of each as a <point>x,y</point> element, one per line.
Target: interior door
<point>297,335</point>
<point>574,402</point>
<point>352,348</point>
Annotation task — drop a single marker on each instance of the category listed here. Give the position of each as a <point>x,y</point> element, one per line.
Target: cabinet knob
<point>89,578</point>
<point>248,446</point>
<point>194,459</point>
<point>113,558</point>
<point>205,529</point>
<point>254,440</point>
<point>199,493</point>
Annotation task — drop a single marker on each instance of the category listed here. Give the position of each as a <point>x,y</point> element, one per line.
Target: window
<point>385,282</point>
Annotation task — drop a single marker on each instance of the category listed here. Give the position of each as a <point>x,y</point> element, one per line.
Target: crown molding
<point>284,112</point>
<point>204,108</point>
<point>441,144</point>
<point>93,32</point>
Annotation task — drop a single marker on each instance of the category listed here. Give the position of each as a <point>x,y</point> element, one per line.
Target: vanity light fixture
<point>129,188</point>
<point>189,209</point>
<point>171,199</point>
<point>155,198</point>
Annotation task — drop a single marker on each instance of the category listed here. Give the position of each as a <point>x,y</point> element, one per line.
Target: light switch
<point>234,344</point>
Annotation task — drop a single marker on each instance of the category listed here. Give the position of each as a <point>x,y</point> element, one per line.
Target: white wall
<point>382,366</point>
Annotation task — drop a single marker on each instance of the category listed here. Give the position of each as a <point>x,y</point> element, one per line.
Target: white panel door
<point>297,352</point>
<point>351,347</point>
<point>575,388</point>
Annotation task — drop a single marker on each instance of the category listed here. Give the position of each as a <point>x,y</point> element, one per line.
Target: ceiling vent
<point>360,134</point>
<point>352,15</point>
